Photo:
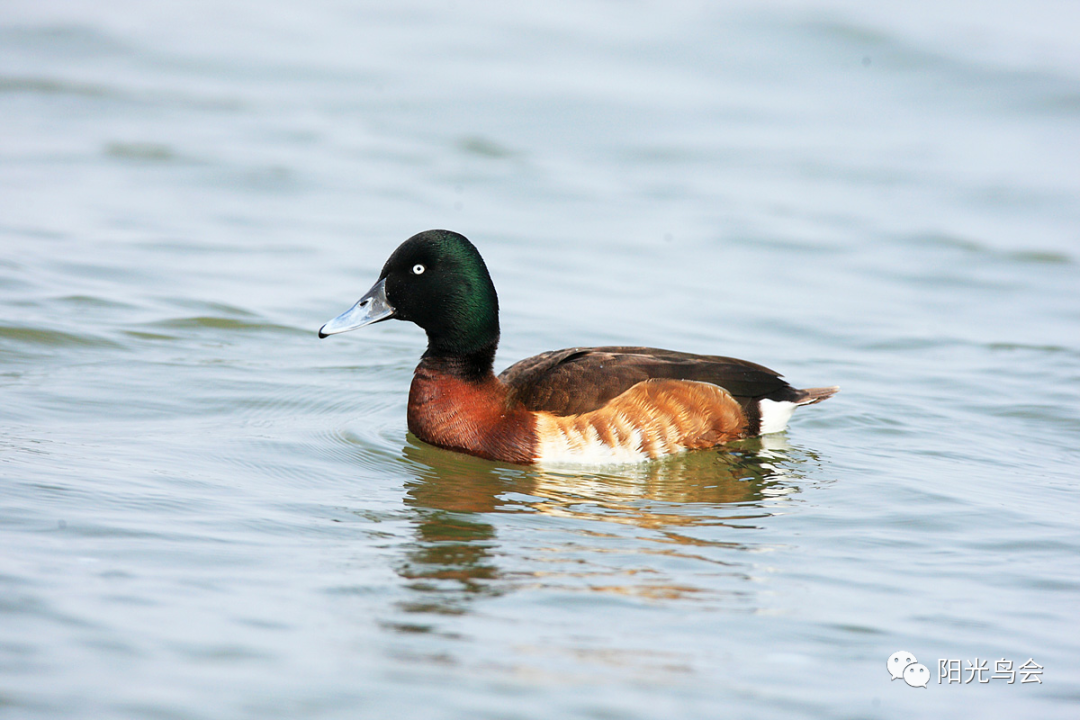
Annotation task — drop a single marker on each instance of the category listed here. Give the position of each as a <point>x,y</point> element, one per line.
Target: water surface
<point>205,511</point>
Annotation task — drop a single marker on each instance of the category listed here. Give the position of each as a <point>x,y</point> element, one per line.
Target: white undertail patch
<point>775,415</point>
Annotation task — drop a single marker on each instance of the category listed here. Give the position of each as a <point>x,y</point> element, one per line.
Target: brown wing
<point>577,380</point>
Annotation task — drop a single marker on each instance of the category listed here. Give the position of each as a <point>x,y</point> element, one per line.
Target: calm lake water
<point>207,512</point>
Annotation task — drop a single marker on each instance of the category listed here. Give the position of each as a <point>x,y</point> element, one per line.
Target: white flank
<point>775,415</point>
<point>567,447</point>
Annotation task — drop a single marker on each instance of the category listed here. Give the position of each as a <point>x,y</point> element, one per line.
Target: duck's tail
<point>773,415</point>
<point>809,396</point>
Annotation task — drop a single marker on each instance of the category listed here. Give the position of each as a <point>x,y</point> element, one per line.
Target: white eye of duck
<point>418,269</point>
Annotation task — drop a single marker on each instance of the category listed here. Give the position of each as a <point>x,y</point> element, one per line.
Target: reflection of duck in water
<point>693,506</point>
<point>746,473</point>
<point>581,405</point>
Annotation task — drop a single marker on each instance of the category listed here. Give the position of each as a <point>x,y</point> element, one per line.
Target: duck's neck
<point>476,366</point>
<point>456,402</point>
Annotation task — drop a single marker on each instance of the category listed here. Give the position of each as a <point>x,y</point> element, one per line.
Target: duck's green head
<point>437,280</point>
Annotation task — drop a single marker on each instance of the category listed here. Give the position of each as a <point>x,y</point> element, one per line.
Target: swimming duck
<point>580,405</point>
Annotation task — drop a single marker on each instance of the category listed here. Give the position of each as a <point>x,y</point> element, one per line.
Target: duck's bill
<point>372,308</point>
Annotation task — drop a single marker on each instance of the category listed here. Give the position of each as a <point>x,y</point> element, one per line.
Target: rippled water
<point>207,512</point>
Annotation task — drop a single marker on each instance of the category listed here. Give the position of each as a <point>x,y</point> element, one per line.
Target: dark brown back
<point>577,380</point>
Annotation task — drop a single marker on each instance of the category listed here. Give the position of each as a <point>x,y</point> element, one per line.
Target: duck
<point>576,406</point>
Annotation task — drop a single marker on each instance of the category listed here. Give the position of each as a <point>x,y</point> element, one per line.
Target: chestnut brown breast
<point>470,416</point>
